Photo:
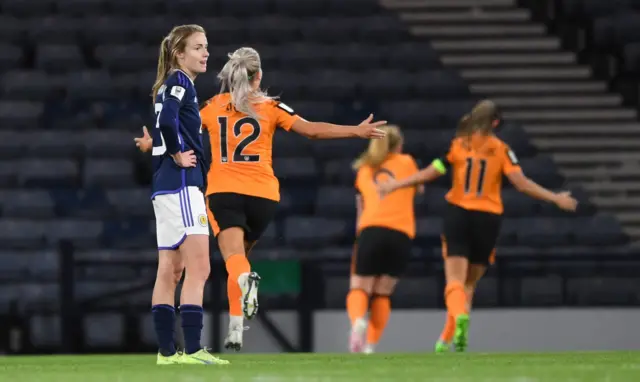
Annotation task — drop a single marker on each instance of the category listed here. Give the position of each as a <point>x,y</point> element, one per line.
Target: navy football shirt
<point>178,129</point>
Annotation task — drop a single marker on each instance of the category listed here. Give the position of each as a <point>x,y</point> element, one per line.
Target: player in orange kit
<point>385,231</point>
<point>242,190</point>
<point>478,160</point>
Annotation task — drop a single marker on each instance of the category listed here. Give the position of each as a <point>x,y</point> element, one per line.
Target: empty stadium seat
<point>309,232</point>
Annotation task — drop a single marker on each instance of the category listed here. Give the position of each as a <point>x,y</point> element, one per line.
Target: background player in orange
<point>385,229</point>
<point>242,190</point>
<point>472,220</point>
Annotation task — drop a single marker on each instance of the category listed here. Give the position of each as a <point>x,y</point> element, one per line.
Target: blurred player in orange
<point>242,190</point>
<point>472,221</point>
<point>385,230</point>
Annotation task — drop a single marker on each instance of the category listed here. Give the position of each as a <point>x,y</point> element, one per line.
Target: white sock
<point>236,321</point>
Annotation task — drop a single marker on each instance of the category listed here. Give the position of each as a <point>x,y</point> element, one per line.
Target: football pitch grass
<point>476,367</point>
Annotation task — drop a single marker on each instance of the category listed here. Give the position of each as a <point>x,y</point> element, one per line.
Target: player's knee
<point>364,283</point>
<point>231,242</point>
<point>456,268</point>
<point>170,273</point>
<point>384,285</point>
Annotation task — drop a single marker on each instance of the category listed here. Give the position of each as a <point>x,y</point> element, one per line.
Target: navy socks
<point>192,318</point>
<point>164,319</point>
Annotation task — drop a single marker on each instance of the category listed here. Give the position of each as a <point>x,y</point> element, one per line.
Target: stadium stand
<point>75,81</point>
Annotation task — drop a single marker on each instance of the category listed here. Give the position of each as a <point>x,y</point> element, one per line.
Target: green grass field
<point>478,367</point>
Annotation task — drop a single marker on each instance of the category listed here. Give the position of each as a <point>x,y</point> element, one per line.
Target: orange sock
<point>378,318</point>
<point>449,329</point>
<point>234,294</point>
<point>455,298</point>
<point>236,265</point>
<point>357,304</point>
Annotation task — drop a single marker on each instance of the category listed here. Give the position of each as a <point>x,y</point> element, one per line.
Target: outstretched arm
<point>322,130</point>
<point>425,175</point>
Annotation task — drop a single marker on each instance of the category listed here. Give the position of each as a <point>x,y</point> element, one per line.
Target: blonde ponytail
<point>164,66</point>
<point>238,76</point>
<point>464,126</point>
<point>379,149</point>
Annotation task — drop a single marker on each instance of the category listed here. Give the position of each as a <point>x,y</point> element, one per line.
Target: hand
<point>385,189</point>
<point>565,201</point>
<point>370,130</point>
<point>144,143</point>
<point>185,159</point>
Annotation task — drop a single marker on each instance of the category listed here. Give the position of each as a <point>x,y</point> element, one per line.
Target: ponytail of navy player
<point>177,195</point>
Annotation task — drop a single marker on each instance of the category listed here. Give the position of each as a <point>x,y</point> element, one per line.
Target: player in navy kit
<point>177,195</point>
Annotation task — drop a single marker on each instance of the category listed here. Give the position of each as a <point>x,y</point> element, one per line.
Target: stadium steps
<point>504,54</point>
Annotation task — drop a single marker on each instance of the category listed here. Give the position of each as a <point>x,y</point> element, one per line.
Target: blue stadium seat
<point>130,202</point>
<point>243,8</point>
<point>89,85</point>
<point>428,231</point>
<point>129,234</point>
<point>517,204</point>
<point>294,171</point>
<point>439,85</point>
<point>127,57</point>
<point>384,29</point>
<point>31,85</point>
<point>296,55</point>
<point>34,204</point>
<point>517,139</point>
<point>105,172</point>
<point>336,202</point>
<point>357,8</point>
<point>593,8</point>
<point>13,144</point>
<point>338,148</point>
<point>270,237</point>
<point>55,144</point>
<point>299,8</point>
<point>109,30</point>
<point>11,58</point>
<point>334,84</point>
<point>543,170</point>
<point>271,29</point>
<point>22,234</point>
<point>20,114</point>
<point>387,84</point>
<point>288,85</point>
<point>310,232</point>
<point>434,202</point>
<point>82,233</point>
<point>186,7</point>
<point>27,8</point>
<point>138,8</point>
<point>12,29</point>
<point>297,199</point>
<point>338,172</point>
<point>541,232</point>
<point>327,29</point>
<point>312,111</point>
<point>418,55</point>
<point>48,173</point>
<point>81,8</point>
<point>290,144</point>
<point>108,143</point>
<point>509,231</point>
<point>357,57</point>
<point>59,58</point>
<point>600,230</point>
